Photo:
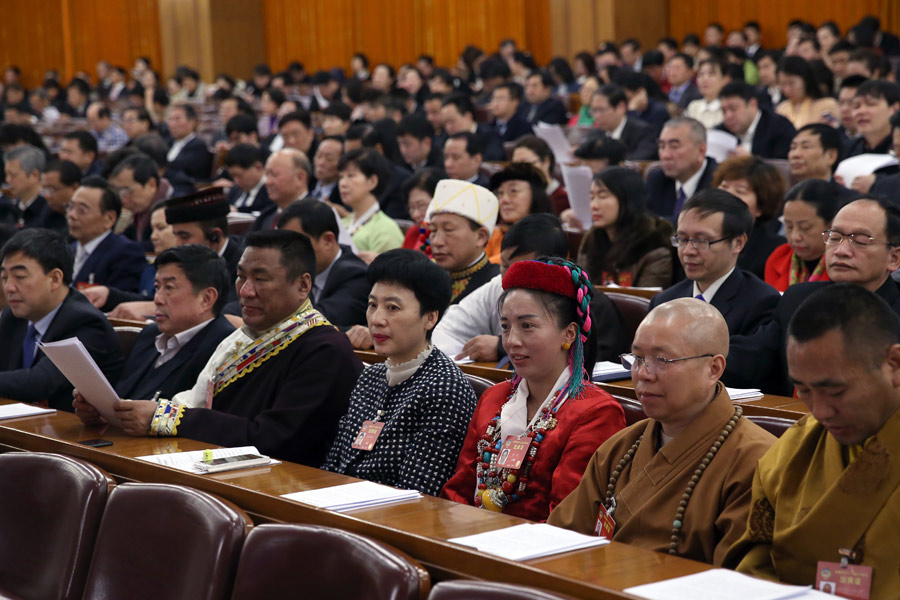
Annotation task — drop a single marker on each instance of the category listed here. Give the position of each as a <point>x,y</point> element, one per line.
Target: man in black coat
<point>540,105</point>
<point>867,259</point>
<point>37,270</point>
<point>245,166</point>
<point>712,230</point>
<point>685,169</point>
<point>188,154</point>
<point>609,107</point>
<point>504,107</point>
<point>759,131</point>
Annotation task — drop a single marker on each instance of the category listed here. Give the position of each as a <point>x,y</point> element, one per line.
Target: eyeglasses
<point>833,237</point>
<point>654,364</point>
<point>680,242</point>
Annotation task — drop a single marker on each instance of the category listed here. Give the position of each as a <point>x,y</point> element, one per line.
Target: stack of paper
<point>605,370</point>
<point>721,584</point>
<point>187,461</point>
<point>18,409</point>
<point>556,139</point>
<point>351,496</point>
<point>528,541</point>
<point>720,144</point>
<point>739,395</point>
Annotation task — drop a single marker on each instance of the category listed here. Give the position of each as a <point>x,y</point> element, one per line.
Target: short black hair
<point>109,200</point>
<point>602,147</point>
<point>880,90</point>
<point>153,146</point>
<point>370,162</point>
<point>751,25</point>
<point>738,89</point>
<point>416,272</point>
<point>828,137</point>
<point>544,75</point>
<point>47,247</point>
<point>818,193</point>
<point>203,267</point>
<point>613,93</point>
<point>842,46</point>
<point>86,141</point>
<point>474,143</point>
<point>244,156</point>
<point>736,217</point>
<point>81,85</point>
<point>142,167</point>
<point>653,58</point>
<point>241,124</point>
<point>69,173</point>
<point>514,89</point>
<point>540,233</point>
<point>315,217</point>
<point>339,110</point>
<point>868,324</point>
<point>415,125</point>
<point>141,114</point>
<point>425,179</point>
<point>297,255</point>
<point>852,82</point>
<point>189,111</point>
<point>275,95</point>
<point>690,38</point>
<point>300,116</point>
<point>462,103</point>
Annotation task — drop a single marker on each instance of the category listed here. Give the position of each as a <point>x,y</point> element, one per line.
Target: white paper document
<point>608,371</point>
<point>186,461</point>
<point>721,584</point>
<point>720,144</point>
<point>737,394</point>
<point>350,496</point>
<point>528,541</point>
<point>578,186</point>
<point>73,360</point>
<point>862,164</point>
<point>18,409</point>
<point>557,140</point>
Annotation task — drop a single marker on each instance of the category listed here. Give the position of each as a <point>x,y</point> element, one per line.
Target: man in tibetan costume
<point>825,497</point>
<point>678,482</point>
<point>280,383</point>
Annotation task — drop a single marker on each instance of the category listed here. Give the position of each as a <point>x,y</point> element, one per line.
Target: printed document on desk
<point>75,362</point>
<point>722,584</point>
<point>529,540</point>
<point>17,410</point>
<point>350,496</point>
<point>187,461</point>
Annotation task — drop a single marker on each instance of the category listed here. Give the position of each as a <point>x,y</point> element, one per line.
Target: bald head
<point>287,176</point>
<point>700,324</point>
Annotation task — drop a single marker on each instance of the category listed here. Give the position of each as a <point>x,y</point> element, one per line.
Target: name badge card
<point>368,435</point>
<point>513,451</point>
<point>851,581</point>
<point>605,525</point>
<point>210,391</point>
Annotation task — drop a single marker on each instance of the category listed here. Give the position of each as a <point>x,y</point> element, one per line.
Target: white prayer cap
<point>465,199</point>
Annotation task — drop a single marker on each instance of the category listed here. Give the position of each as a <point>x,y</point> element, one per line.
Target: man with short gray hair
<point>684,170</point>
<point>287,181</point>
<point>24,207</point>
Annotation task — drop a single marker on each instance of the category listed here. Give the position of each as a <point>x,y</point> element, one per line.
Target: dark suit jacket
<point>656,114</point>
<point>762,242</point>
<point>661,189</point>
<point>760,361</point>
<point>194,160</point>
<point>391,200</point>
<point>744,300</point>
<point>491,142</point>
<point>260,202</point>
<point>141,380</point>
<point>116,262</point>
<point>10,215</point>
<point>43,381</point>
<point>483,180</point>
<point>550,111</point>
<point>689,95</point>
<point>345,295</point>
<point>773,135</point>
<point>639,139</point>
<point>516,127</point>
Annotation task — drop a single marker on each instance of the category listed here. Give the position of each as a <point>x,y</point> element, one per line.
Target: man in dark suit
<point>458,113</point>
<point>540,106</point>
<point>340,288</point>
<point>37,271</point>
<point>188,154</point>
<point>325,165</point>
<point>462,158</point>
<point>24,207</point>
<point>713,228</point>
<point>80,147</point>
<point>139,186</point>
<point>759,131</point>
<point>685,168</point>
<point>680,73</point>
<point>504,107</point>
<point>814,154</point>
<point>609,107</point>
<point>867,259</point>
<point>415,136</point>
<point>287,180</point>
<point>102,257</point>
<point>167,356</point>
<point>245,166</point>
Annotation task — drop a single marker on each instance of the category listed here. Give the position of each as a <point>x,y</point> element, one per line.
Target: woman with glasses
<point>626,245</point>
<point>530,438</point>
<point>809,209</point>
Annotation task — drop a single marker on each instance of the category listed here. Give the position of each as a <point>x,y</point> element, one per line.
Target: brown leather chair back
<point>308,561</point>
<point>50,510</point>
<point>632,310</point>
<point>479,384</point>
<point>774,425</point>
<point>487,590</point>
<point>127,336</point>
<point>166,541</point>
<point>634,412</point>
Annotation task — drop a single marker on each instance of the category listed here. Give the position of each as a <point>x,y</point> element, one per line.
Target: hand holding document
<point>528,541</point>
<point>73,360</point>
<point>720,144</point>
<point>578,186</point>
<point>350,496</point>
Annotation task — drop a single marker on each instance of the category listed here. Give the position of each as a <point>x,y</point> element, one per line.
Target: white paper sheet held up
<point>862,164</point>
<point>737,394</point>
<point>529,540</point>
<point>75,362</point>
<point>343,233</point>
<point>720,144</point>
<point>578,185</point>
<point>185,461</point>
<point>19,409</point>
<point>556,139</point>
<point>350,496</point>
<point>721,584</point>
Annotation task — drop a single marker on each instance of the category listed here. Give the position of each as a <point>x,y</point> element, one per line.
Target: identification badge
<point>210,389</point>
<point>606,525</point>
<point>513,451</point>
<point>851,581</point>
<point>83,285</point>
<point>368,435</point>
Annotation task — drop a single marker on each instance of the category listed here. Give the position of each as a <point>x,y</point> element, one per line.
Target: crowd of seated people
<point>268,228</point>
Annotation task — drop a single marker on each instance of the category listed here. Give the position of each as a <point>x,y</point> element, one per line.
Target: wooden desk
<point>418,527</point>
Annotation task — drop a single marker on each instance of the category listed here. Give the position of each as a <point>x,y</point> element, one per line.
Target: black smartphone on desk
<point>96,443</point>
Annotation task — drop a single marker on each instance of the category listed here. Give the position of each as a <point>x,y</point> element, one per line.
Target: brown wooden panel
<point>31,36</point>
<point>238,43</point>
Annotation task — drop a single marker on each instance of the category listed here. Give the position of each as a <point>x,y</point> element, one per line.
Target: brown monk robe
<point>689,412</point>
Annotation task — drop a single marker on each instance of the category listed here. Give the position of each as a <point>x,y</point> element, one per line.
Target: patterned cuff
<point>166,419</point>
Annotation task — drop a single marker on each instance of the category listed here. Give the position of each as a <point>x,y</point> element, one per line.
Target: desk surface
<point>418,527</point>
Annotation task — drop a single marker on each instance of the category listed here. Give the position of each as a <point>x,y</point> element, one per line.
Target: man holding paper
<point>280,383</point>
<point>36,271</point>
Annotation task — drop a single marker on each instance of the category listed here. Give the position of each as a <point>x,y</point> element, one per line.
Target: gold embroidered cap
<point>466,199</point>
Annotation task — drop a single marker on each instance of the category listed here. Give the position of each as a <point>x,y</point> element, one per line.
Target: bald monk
<point>678,356</point>
<point>832,481</point>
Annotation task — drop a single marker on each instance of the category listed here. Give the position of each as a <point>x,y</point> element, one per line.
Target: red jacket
<point>778,268</point>
<point>583,424</point>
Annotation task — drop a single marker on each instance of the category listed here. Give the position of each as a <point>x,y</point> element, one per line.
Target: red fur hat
<point>537,275</point>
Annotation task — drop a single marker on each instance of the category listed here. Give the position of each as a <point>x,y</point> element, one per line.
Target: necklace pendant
<point>612,506</point>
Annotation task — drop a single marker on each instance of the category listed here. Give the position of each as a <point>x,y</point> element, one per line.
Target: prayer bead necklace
<point>609,501</point>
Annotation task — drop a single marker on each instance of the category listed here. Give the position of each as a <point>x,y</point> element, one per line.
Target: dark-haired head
<point>736,217</point>
<point>627,186</point>
<point>202,267</point>
<point>370,163</point>
<point>533,236</point>
<point>48,248</point>
<point>764,187</point>
<point>297,256</point>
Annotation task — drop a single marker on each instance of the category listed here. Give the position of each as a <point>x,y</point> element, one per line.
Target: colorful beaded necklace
<point>496,487</point>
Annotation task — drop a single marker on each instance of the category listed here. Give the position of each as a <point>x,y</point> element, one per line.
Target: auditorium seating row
<point>67,531</point>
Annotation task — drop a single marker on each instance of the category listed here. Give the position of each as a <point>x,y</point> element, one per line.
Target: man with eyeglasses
<point>678,482</point>
<point>862,247</point>
<point>141,189</point>
<point>713,228</point>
